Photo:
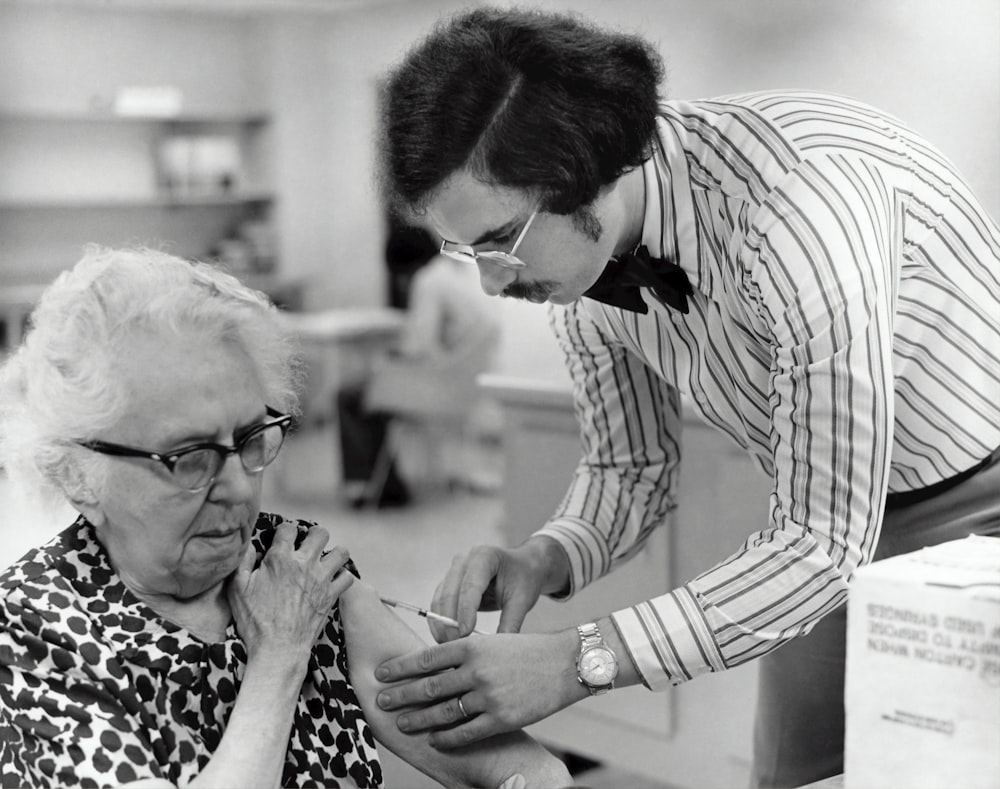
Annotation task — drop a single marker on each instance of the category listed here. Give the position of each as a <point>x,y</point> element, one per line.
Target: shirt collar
<point>656,183</point>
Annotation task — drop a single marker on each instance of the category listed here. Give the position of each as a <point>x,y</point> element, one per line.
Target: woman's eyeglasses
<point>467,254</point>
<point>194,468</point>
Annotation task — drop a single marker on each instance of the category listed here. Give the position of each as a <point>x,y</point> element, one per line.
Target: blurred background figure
<point>427,382</point>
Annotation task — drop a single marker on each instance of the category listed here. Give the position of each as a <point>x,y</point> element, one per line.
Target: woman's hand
<point>283,605</point>
<point>280,609</point>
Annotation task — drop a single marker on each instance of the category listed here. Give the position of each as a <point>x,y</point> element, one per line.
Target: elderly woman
<point>174,634</point>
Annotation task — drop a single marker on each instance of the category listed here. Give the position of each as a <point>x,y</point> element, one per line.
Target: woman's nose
<point>233,482</point>
<point>493,277</point>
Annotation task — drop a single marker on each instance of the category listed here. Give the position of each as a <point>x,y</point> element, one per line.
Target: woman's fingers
<point>314,542</point>
<point>247,562</point>
<point>340,584</point>
<point>284,535</point>
<point>333,561</point>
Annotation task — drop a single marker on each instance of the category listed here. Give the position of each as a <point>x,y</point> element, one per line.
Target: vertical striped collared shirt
<point>844,330</point>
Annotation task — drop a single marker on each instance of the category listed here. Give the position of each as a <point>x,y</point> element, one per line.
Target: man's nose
<point>493,277</point>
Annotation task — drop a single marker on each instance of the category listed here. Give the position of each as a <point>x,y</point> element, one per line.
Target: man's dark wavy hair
<point>544,102</point>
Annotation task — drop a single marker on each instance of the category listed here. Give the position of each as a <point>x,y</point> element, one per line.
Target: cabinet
<point>696,735</point>
<point>68,179</point>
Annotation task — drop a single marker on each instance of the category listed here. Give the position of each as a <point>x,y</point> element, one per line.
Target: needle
<point>444,620</point>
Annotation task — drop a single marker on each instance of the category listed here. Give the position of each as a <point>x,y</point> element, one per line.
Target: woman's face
<point>162,539</point>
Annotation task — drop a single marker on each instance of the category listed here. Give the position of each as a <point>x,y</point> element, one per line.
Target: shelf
<point>184,181</point>
<point>138,202</point>
<point>252,118</point>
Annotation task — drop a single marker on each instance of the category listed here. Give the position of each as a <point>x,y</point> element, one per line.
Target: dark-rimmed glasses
<point>195,467</point>
<point>467,254</point>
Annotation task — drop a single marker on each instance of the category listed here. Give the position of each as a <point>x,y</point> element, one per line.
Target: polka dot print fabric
<point>96,689</point>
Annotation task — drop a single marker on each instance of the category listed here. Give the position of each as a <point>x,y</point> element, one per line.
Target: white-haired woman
<point>174,634</point>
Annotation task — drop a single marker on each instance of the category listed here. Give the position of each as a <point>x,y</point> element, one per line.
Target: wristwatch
<point>597,666</point>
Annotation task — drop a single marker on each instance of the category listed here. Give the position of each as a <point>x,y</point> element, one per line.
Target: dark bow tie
<point>619,284</point>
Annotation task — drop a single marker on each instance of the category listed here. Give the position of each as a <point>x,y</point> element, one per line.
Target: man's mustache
<point>527,291</point>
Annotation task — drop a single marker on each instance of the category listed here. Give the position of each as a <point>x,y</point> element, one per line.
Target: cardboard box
<point>923,670</point>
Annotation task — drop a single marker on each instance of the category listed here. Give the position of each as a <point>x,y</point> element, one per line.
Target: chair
<point>435,399</point>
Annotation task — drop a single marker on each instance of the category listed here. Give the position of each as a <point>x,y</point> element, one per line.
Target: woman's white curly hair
<point>60,386</point>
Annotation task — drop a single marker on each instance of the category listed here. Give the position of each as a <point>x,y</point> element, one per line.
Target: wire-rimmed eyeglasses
<point>467,254</point>
<point>195,467</point>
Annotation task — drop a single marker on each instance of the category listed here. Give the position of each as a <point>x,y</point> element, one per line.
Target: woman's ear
<point>80,493</point>
<point>89,509</point>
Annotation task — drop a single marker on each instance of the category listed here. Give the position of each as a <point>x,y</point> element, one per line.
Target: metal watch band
<point>590,635</point>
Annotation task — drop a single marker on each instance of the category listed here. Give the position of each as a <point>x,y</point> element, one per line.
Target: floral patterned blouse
<point>96,689</point>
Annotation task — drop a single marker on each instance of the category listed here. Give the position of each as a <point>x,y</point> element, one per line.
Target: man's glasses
<point>194,468</point>
<point>467,254</point>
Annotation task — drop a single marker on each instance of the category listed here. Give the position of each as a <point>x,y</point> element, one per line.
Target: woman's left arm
<point>373,634</point>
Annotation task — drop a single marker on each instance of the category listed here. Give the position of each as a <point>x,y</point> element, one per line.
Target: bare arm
<point>374,634</point>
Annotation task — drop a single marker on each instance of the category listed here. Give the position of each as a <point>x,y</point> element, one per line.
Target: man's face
<point>563,255</point>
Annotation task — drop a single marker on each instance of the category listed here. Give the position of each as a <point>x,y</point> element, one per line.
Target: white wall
<point>62,59</point>
<point>935,64</point>
<point>321,81</point>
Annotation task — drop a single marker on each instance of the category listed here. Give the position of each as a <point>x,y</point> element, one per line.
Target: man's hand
<point>504,682</point>
<point>490,578</point>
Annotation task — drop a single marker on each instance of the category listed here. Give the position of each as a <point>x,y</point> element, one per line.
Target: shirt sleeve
<point>623,486</point>
<point>63,724</point>
<point>819,275</point>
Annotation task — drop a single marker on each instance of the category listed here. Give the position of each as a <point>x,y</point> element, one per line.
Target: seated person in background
<point>174,635</point>
<point>451,334</point>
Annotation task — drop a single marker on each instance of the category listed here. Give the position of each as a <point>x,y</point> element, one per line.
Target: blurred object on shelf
<point>199,164</point>
<point>147,101</point>
<point>249,247</point>
<point>234,254</point>
<point>261,244</point>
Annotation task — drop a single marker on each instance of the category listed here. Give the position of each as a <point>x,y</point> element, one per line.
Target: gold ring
<point>461,706</point>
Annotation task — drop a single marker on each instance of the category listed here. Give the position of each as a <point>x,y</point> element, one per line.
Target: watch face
<point>598,666</point>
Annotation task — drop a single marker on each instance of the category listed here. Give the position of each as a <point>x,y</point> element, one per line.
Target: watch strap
<point>590,635</point>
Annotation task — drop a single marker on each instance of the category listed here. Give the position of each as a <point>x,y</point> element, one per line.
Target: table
<point>339,345</point>
<point>347,324</point>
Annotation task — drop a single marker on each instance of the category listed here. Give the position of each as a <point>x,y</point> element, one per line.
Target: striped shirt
<point>844,330</point>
